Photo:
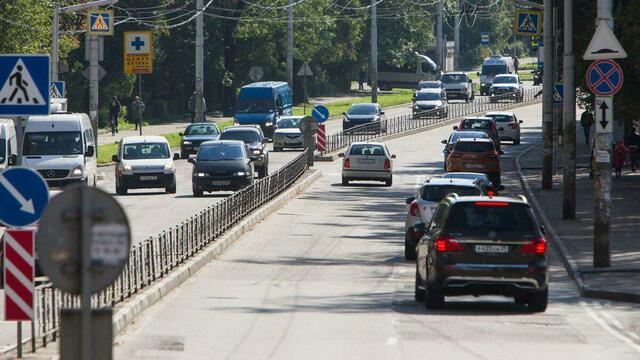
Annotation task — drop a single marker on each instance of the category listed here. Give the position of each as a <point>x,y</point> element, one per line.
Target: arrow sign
<point>604,114</point>
<point>23,195</point>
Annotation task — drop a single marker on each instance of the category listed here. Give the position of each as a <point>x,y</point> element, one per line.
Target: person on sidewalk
<point>516,64</point>
<point>137,109</point>
<point>114,113</point>
<point>620,154</point>
<point>362,77</point>
<point>632,141</point>
<point>586,120</point>
<point>192,106</point>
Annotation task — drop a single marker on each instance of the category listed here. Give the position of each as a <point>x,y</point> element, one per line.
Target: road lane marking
<point>603,324</point>
<point>392,341</point>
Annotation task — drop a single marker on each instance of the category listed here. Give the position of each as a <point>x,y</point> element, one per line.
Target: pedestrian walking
<point>586,120</point>
<point>620,154</point>
<point>114,114</point>
<point>632,141</point>
<point>516,63</point>
<point>362,77</point>
<point>192,106</point>
<point>137,109</point>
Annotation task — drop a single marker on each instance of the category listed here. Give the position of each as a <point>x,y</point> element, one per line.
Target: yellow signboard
<point>528,23</point>
<point>138,52</point>
<point>99,22</point>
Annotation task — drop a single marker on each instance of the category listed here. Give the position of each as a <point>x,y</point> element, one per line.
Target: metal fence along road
<point>404,123</point>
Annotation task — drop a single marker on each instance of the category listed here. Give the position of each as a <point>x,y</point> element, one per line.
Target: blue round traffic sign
<point>604,77</point>
<point>23,194</point>
<point>320,113</point>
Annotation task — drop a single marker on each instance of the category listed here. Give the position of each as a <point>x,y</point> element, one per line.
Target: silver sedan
<point>287,134</point>
<point>367,161</point>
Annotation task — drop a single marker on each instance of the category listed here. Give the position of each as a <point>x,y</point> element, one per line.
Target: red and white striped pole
<point>321,139</point>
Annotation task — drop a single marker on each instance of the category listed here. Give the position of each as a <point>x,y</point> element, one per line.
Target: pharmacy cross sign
<point>138,43</point>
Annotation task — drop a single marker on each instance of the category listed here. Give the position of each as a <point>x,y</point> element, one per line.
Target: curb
<point>130,310</point>
<point>569,263</point>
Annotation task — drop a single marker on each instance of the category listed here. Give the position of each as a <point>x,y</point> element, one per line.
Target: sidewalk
<point>622,280</point>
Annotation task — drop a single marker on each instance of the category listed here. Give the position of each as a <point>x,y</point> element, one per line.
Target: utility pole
<point>93,84</point>
<point>290,45</point>
<point>569,118</point>
<point>199,108</point>
<point>54,43</point>
<point>439,35</point>
<point>456,37</point>
<point>547,97</point>
<point>374,52</point>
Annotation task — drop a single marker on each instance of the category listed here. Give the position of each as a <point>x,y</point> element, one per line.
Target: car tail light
<point>448,244</point>
<point>491,203</point>
<point>493,154</point>
<point>387,164</point>
<point>538,246</point>
<point>514,125</point>
<point>414,209</point>
<point>346,164</point>
<point>491,193</point>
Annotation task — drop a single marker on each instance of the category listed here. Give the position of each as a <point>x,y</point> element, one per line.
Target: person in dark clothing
<point>632,141</point>
<point>114,113</point>
<point>586,120</point>
<point>516,64</point>
<point>362,77</point>
<point>136,111</point>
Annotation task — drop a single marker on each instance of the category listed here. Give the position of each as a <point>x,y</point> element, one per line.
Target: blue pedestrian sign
<point>558,93</point>
<point>320,113</point>
<point>56,90</point>
<point>24,85</point>
<point>528,23</point>
<point>24,195</point>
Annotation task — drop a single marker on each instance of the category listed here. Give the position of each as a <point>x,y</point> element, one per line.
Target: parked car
<point>480,123</point>
<point>8,144</point>
<point>506,87</point>
<point>421,206</point>
<point>508,125</point>
<point>428,103</point>
<point>287,134</point>
<point>476,155</point>
<point>457,135</point>
<point>221,165</point>
<point>478,245</point>
<point>484,180</point>
<point>145,162</point>
<point>367,161</point>
<point>360,114</point>
<point>436,84</point>
<point>458,86</point>
<point>196,134</point>
<point>256,142</point>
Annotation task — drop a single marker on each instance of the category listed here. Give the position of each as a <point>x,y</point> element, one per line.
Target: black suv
<point>480,245</point>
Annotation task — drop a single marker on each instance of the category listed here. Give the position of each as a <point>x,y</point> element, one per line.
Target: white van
<point>61,148</point>
<point>8,144</point>
<point>493,66</point>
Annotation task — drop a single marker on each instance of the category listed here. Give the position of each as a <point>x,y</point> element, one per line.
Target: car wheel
<point>345,181</point>
<point>389,182</point>
<point>197,192</point>
<point>409,251</point>
<point>434,298</point>
<point>171,189</point>
<point>419,294</point>
<point>538,301</point>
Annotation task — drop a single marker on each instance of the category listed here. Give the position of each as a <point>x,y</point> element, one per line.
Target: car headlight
<point>77,171</point>
<point>241,173</point>
<point>268,123</point>
<point>201,174</point>
<point>257,152</point>
<point>126,169</point>
<point>186,142</point>
<point>169,168</point>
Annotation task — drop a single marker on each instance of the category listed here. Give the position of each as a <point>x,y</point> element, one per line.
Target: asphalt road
<point>324,278</point>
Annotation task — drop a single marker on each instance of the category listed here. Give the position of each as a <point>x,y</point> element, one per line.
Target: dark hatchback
<point>221,165</point>
<point>256,142</point>
<point>196,134</point>
<point>479,245</point>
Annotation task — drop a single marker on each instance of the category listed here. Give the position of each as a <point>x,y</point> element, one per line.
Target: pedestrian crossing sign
<point>56,90</point>
<point>528,23</point>
<point>99,22</point>
<point>24,85</point>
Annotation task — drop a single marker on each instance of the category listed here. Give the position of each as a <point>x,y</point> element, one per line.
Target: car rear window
<point>374,150</point>
<point>438,192</point>
<point>475,147</point>
<point>489,216</point>
<point>502,118</point>
<point>476,124</point>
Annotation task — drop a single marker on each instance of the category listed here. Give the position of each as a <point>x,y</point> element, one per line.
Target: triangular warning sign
<point>604,44</point>
<point>20,89</point>
<point>527,25</point>
<point>99,24</point>
<point>53,91</point>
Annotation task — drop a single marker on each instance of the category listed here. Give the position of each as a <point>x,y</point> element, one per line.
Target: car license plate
<point>220,182</point>
<point>366,161</point>
<point>148,178</point>
<point>473,166</point>
<point>492,249</point>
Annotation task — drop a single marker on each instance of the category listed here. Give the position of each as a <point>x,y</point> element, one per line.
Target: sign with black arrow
<point>604,114</point>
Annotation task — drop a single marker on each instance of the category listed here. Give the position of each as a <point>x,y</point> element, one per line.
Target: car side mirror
<point>114,158</point>
<point>501,152</point>
<point>341,155</point>
<point>191,160</point>
<point>520,121</point>
<point>381,112</point>
<point>419,227</point>
<point>478,73</point>
<point>470,81</point>
<point>13,160</point>
<point>252,158</point>
<point>443,142</point>
<point>344,113</point>
<point>455,128</point>
<point>409,200</point>
<point>542,230</point>
<point>90,151</point>
<point>176,156</point>
<point>393,156</point>
<point>264,141</point>
<point>180,134</point>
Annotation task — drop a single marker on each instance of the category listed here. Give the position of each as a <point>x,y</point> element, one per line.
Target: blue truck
<point>263,103</point>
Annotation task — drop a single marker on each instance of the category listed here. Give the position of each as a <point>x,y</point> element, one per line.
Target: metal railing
<point>425,118</point>
<point>156,256</point>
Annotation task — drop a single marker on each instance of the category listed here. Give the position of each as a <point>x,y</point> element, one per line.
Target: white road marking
<point>603,324</point>
<point>392,341</point>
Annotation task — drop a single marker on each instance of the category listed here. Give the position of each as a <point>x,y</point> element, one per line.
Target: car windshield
<point>201,129</point>
<point>248,136</point>
<point>474,147</point>
<point>3,150</point>
<point>219,152</point>
<point>145,151</point>
<point>502,118</point>
<point>428,85</point>
<point>362,109</point>
<point>489,216</point>
<point>367,149</point>
<point>476,124</point>
<point>454,78</point>
<point>288,123</point>
<point>437,192</point>
<point>505,80</point>
<point>493,70</point>
<point>427,96</point>
<point>53,143</point>
<point>255,106</point>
